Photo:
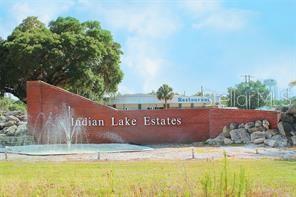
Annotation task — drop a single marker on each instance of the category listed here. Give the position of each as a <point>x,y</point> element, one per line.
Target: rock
<point>265,124</point>
<point>273,131</point>
<point>13,118</point>
<point>259,140</point>
<point>256,135</point>
<point>235,136</point>
<point>219,140</point>
<point>209,141</point>
<point>245,136</point>
<point>270,142</point>
<point>259,132</point>
<point>281,128</point>
<point>22,117</point>
<point>292,109</point>
<point>212,142</point>
<point>10,131</point>
<point>249,125</point>
<point>242,125</point>
<point>226,131</point>
<point>240,136</point>
<point>288,127</point>
<point>2,118</point>
<point>227,141</point>
<point>261,128</point>
<point>258,123</point>
<point>284,109</point>
<point>268,135</point>
<point>13,113</point>
<point>2,125</point>
<point>9,123</point>
<point>281,141</point>
<point>233,125</point>
<point>287,117</point>
<point>293,139</point>
<point>256,129</point>
<point>22,122</point>
<point>21,129</point>
<point>270,132</point>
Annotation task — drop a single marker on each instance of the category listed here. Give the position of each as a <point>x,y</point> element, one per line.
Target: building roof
<point>152,99</point>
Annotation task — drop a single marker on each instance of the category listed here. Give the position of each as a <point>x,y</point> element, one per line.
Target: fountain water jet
<point>59,136</point>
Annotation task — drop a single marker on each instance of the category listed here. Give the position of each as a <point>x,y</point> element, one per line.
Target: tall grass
<point>228,184</point>
<point>228,177</point>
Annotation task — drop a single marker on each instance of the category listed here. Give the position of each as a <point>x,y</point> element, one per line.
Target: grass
<point>149,178</point>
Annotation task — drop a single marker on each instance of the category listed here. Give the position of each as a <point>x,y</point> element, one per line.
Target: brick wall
<point>44,101</point>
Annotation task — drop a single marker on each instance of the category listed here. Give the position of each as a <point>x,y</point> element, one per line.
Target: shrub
<point>7,104</point>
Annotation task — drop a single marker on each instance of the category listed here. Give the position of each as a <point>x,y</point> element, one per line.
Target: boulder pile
<point>258,132</point>
<point>13,129</point>
<point>287,124</point>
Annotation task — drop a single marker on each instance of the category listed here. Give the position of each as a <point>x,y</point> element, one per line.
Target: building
<point>150,101</point>
<point>271,84</point>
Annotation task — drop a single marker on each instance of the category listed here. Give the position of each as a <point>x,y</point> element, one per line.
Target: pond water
<point>64,149</point>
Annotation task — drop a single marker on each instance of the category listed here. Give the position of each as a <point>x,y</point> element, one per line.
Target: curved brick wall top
<point>47,101</point>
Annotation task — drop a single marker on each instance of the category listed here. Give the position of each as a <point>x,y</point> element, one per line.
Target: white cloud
<point>125,89</point>
<point>147,65</point>
<point>213,15</point>
<point>224,20</point>
<point>147,27</point>
<point>144,21</point>
<point>45,10</point>
<point>282,68</point>
<point>202,6</point>
<point>19,10</point>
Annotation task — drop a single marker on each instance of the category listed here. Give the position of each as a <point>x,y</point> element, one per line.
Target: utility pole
<point>202,91</point>
<point>247,78</point>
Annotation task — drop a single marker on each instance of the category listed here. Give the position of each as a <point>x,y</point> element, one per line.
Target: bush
<point>7,104</point>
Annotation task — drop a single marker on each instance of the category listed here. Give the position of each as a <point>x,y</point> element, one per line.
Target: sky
<point>186,44</point>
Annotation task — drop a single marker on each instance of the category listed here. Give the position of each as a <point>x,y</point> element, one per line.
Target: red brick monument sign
<point>52,110</point>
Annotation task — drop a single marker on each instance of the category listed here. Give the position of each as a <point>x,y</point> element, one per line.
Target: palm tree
<point>165,93</point>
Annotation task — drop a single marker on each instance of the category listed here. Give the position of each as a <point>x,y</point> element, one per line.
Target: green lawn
<point>149,178</point>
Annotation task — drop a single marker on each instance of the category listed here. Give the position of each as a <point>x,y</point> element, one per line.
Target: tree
<point>248,95</point>
<point>2,72</point>
<point>80,57</point>
<point>165,93</point>
<point>198,94</point>
<point>292,83</point>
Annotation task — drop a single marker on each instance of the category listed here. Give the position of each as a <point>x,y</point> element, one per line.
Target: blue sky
<point>186,44</point>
